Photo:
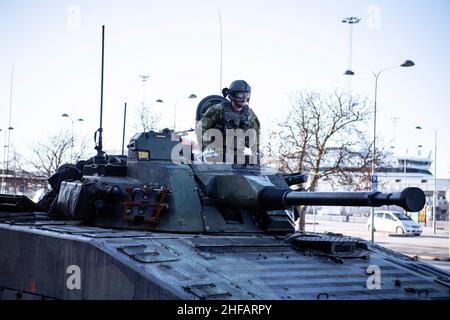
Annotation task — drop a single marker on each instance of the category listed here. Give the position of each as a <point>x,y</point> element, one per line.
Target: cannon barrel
<point>272,198</point>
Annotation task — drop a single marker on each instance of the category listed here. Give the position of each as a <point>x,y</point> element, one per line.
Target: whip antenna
<point>100,157</point>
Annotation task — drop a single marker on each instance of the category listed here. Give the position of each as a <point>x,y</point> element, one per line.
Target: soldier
<point>228,117</point>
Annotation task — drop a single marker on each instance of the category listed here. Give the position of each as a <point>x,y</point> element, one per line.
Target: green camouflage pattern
<point>214,119</point>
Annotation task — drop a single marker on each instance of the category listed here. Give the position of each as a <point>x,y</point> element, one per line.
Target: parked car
<point>394,221</point>
<point>38,195</point>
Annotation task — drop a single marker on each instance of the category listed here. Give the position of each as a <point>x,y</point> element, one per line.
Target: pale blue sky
<point>279,47</point>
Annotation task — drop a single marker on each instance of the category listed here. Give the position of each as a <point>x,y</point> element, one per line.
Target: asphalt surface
<point>428,247</point>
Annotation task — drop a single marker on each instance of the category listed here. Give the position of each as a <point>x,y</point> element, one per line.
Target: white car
<point>38,195</point>
<point>394,221</point>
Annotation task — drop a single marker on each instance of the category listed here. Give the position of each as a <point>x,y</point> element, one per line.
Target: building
<point>414,172</point>
<point>407,171</point>
<point>21,182</point>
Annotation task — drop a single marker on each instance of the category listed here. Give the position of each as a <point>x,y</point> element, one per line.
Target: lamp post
<point>124,125</point>
<point>221,53</point>
<point>351,21</point>
<point>9,122</point>
<point>65,115</point>
<point>5,160</point>
<point>191,96</point>
<point>159,101</point>
<point>3,163</point>
<point>436,130</point>
<point>144,79</point>
<point>407,63</point>
<point>404,172</point>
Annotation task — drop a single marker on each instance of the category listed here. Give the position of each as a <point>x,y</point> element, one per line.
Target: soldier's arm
<point>209,120</point>
<point>212,117</point>
<point>255,125</point>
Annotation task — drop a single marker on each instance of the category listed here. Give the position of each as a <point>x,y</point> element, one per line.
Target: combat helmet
<point>236,86</point>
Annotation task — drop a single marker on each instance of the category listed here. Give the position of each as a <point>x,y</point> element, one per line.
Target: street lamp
<point>351,21</point>
<point>5,155</point>
<point>436,130</point>
<point>144,79</point>
<point>159,101</point>
<point>407,63</point>
<point>191,96</point>
<point>65,115</point>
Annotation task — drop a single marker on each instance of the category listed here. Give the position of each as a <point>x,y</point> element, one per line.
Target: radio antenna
<point>100,157</point>
<point>124,124</point>
<point>221,53</point>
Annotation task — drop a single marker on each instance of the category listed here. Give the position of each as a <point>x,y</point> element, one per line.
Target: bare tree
<point>322,135</point>
<point>19,180</point>
<point>48,156</point>
<point>14,171</point>
<point>147,119</point>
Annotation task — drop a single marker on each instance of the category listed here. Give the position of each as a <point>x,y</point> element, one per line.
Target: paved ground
<point>429,247</point>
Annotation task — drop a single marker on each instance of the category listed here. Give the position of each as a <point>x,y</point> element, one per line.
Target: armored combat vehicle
<point>158,224</point>
<point>149,227</point>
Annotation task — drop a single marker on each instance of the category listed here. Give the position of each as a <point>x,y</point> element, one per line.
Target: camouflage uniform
<point>223,116</point>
